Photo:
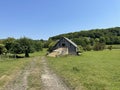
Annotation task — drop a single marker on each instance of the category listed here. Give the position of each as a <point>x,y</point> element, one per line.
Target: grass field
<point>94,70</point>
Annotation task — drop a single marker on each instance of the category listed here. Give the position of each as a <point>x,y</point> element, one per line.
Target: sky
<point>41,19</point>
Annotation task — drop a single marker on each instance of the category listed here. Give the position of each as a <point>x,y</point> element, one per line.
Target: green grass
<point>8,67</point>
<point>34,81</point>
<point>94,70</point>
<point>40,53</point>
<point>114,46</point>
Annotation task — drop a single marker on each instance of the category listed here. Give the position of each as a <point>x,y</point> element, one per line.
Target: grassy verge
<point>95,70</point>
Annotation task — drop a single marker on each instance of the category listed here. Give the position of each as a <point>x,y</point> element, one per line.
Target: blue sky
<point>41,19</point>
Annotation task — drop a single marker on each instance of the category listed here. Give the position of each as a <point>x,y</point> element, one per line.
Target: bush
<point>110,47</point>
<point>99,46</point>
<point>80,49</point>
<point>87,48</point>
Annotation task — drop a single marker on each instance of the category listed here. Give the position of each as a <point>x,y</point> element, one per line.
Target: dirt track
<point>50,80</point>
<point>47,80</point>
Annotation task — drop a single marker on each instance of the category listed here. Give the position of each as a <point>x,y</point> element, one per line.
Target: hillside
<point>108,36</point>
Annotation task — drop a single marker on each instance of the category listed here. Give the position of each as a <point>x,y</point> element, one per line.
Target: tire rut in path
<point>50,80</point>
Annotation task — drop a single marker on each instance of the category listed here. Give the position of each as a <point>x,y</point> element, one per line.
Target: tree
<point>16,48</point>
<point>8,43</point>
<point>2,49</point>
<point>38,45</point>
<point>102,40</point>
<point>92,41</point>
<point>99,46</point>
<point>26,45</point>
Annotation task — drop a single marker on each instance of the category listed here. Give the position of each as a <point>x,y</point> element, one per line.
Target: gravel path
<point>50,80</point>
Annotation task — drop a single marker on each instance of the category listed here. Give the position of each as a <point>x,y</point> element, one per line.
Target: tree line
<point>18,46</point>
<point>93,38</point>
<point>108,36</point>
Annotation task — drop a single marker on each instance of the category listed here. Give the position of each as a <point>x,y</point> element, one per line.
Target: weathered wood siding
<point>64,43</point>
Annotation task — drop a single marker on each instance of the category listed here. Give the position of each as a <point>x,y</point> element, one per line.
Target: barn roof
<point>70,41</point>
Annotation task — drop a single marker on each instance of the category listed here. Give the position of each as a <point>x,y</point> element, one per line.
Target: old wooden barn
<point>65,46</point>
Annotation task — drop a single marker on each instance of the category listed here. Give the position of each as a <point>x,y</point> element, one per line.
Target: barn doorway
<point>63,45</point>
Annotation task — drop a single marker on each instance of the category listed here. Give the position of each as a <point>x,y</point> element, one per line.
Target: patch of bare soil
<point>59,52</point>
<point>50,80</point>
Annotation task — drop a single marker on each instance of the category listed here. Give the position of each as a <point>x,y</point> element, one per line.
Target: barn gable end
<point>66,43</point>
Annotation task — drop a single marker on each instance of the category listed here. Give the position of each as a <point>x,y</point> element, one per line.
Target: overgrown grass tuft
<point>94,70</point>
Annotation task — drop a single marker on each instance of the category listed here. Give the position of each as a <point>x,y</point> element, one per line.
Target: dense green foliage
<point>83,38</point>
<point>93,70</point>
<point>2,49</point>
<point>8,43</point>
<point>99,46</point>
<point>19,46</point>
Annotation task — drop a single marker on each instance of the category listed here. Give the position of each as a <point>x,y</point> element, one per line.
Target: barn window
<point>63,44</point>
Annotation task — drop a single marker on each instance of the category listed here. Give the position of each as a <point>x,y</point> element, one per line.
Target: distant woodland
<point>95,39</point>
<point>108,36</point>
